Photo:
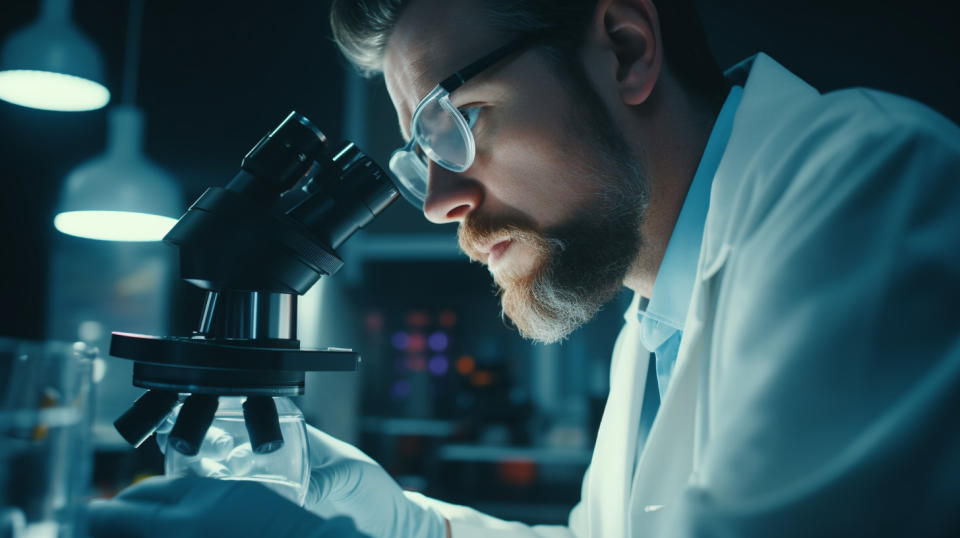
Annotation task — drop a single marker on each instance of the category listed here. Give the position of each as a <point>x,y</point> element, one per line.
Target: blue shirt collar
<point>672,290</point>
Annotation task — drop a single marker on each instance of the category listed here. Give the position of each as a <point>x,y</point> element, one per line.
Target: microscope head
<point>254,246</point>
<point>275,227</point>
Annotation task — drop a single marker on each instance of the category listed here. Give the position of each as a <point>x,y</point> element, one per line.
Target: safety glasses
<point>441,132</point>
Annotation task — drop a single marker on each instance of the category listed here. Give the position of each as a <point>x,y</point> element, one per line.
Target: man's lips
<point>497,250</point>
<point>487,251</point>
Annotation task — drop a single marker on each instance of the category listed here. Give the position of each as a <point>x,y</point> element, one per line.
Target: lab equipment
<point>45,450</point>
<point>228,451</point>
<point>254,245</point>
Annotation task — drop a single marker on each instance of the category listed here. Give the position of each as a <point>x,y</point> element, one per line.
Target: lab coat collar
<point>670,298</point>
<point>767,88</point>
<point>767,85</point>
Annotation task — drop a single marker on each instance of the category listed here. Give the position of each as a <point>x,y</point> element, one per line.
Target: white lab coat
<point>818,379</point>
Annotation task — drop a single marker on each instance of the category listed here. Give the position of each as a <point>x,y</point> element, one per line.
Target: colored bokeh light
<point>417,318</point>
<point>400,340</point>
<point>517,472</point>
<point>417,343</point>
<point>373,322</point>
<point>438,341</point>
<point>481,379</point>
<point>439,365</point>
<point>466,364</point>
<point>447,318</point>
<point>400,389</point>
<point>416,363</point>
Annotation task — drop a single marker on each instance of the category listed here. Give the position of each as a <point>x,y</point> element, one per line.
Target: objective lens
<point>195,418</point>
<point>263,424</point>
<point>145,415</point>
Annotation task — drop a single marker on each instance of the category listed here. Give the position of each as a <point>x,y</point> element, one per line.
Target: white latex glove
<point>192,506</point>
<point>345,481</point>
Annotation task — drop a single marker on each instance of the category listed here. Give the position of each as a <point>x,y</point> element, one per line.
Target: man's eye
<point>470,114</point>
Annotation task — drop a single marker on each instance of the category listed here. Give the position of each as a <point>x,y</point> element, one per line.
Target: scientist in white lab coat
<point>790,365</point>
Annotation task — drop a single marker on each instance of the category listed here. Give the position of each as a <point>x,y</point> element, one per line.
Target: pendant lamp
<point>51,65</point>
<point>121,195</point>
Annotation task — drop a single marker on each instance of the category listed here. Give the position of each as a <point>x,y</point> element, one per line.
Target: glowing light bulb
<point>114,225</point>
<point>47,90</point>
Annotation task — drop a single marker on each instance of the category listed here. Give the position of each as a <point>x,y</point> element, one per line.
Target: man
<point>790,365</point>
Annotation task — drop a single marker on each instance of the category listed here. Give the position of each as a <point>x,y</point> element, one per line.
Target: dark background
<point>216,75</point>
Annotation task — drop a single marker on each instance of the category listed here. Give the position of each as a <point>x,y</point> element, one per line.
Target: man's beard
<point>580,264</point>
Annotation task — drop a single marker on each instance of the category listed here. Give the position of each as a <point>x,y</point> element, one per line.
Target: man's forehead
<point>432,39</point>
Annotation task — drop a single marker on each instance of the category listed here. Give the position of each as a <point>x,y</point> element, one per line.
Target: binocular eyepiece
<point>275,226</point>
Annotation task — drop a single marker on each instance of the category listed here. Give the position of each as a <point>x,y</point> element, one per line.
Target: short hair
<point>362,29</point>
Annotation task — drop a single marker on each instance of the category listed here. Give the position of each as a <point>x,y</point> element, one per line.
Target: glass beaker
<point>45,436</point>
<point>225,452</point>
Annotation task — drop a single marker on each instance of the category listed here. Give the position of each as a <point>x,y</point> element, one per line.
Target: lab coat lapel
<point>665,462</point>
<point>611,469</point>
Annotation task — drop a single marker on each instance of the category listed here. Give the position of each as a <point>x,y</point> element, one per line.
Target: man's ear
<point>631,30</point>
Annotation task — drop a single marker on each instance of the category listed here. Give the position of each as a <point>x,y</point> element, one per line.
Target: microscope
<point>253,246</point>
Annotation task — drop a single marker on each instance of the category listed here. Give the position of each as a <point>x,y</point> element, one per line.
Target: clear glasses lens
<point>412,175</point>
<point>443,134</point>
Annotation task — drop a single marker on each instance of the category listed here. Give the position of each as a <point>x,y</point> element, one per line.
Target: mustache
<point>480,230</point>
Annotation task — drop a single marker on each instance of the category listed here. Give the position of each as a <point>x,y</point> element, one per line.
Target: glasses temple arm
<point>457,79</point>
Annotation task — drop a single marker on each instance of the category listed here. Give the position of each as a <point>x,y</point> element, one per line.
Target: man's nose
<point>450,196</point>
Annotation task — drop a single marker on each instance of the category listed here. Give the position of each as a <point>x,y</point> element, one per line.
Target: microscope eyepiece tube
<point>145,415</point>
<point>281,158</point>
<point>346,197</point>
<point>192,423</point>
<point>275,227</point>
<point>263,424</point>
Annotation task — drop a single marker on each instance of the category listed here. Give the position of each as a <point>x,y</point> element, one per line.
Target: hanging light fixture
<point>51,65</point>
<point>121,195</point>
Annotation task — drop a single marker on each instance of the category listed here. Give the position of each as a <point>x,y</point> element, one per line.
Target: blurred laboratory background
<point>447,397</point>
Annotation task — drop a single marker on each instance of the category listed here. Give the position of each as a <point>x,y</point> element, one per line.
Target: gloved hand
<point>191,506</point>
<point>345,481</point>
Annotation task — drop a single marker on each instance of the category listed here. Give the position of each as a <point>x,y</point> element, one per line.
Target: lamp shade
<point>121,195</point>
<point>51,65</point>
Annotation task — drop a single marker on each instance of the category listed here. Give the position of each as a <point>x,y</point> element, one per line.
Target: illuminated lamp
<point>51,65</point>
